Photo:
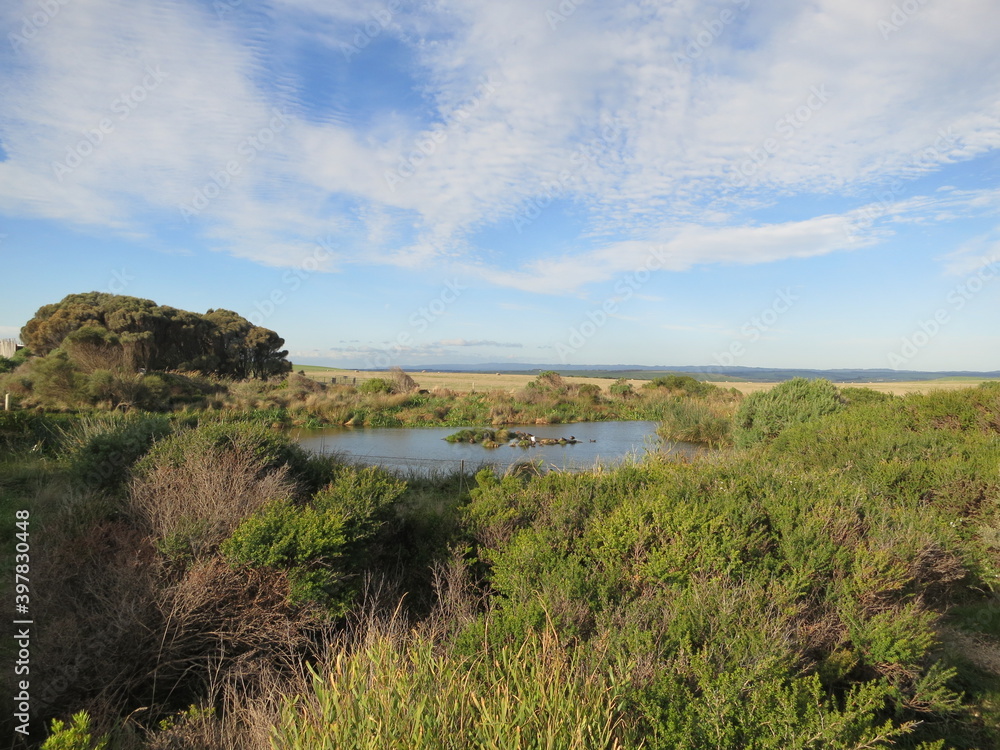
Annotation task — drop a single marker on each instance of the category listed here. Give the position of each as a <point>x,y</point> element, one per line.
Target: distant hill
<point>712,373</point>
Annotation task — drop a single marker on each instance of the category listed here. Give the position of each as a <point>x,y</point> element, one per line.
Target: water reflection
<point>424,450</point>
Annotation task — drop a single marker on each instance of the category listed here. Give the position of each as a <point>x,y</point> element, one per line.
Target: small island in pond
<point>514,438</point>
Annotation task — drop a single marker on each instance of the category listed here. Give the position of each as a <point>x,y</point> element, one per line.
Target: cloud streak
<point>506,104</point>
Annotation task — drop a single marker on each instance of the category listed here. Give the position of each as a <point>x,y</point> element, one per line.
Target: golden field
<point>478,381</point>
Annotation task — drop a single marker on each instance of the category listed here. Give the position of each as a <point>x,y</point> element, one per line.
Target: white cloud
<point>795,99</point>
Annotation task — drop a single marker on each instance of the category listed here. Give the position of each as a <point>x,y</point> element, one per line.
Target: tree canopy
<point>134,333</point>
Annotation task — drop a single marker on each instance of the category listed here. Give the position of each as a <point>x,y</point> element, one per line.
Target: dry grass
<point>465,382</point>
<point>204,498</point>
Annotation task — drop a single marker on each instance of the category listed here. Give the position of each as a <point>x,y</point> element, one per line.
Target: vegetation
<point>831,582</point>
<point>393,401</point>
<point>98,347</point>
<point>766,413</point>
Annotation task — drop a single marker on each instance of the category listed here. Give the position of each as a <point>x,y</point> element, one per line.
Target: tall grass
<point>697,421</point>
<point>404,693</point>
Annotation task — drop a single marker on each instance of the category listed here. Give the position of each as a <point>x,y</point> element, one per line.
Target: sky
<point>762,183</point>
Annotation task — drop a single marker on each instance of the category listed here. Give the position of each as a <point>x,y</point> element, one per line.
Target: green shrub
<point>9,364</point>
<point>696,421</point>
<point>323,543</point>
<point>682,383</point>
<point>272,449</point>
<point>763,415</point>
<point>375,385</point>
<point>622,388</point>
<point>74,736</point>
<point>102,451</point>
<point>864,396</point>
<point>23,430</point>
<point>56,381</point>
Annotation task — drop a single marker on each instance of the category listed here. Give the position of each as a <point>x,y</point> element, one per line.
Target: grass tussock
<point>403,692</point>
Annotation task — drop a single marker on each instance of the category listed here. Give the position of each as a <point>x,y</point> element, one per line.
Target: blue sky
<point>770,183</point>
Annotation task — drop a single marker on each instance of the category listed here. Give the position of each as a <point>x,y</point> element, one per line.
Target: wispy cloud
<point>506,104</point>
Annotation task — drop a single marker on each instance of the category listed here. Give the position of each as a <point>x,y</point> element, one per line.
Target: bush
<point>321,544</point>
<point>56,381</point>
<point>402,382</point>
<point>270,448</point>
<point>622,388</point>
<point>22,431</point>
<point>763,415</point>
<point>75,736</point>
<point>692,421</point>
<point>103,450</point>
<point>192,507</point>
<point>683,383</point>
<point>375,385</point>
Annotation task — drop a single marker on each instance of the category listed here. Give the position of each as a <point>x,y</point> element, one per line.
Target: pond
<point>423,450</point>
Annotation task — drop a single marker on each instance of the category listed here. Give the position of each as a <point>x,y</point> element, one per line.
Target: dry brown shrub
<point>401,381</point>
<point>129,634</point>
<point>205,497</point>
<point>235,626</point>
<point>98,619</point>
<point>937,572</point>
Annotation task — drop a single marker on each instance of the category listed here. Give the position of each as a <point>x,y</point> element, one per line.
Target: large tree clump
<point>114,331</point>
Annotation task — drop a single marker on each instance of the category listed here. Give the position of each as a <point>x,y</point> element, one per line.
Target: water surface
<point>424,450</point>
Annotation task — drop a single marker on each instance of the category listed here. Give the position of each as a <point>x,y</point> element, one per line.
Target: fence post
<point>6,402</point>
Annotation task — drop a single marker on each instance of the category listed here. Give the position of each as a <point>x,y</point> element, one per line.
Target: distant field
<point>477,381</point>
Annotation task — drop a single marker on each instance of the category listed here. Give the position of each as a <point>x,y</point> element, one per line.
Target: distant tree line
<point>117,332</point>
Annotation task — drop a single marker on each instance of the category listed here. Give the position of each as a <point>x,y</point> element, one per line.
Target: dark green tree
<point>116,332</point>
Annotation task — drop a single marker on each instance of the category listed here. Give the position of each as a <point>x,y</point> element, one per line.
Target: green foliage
<point>533,694</point>
<point>696,421</point>
<point>271,448</point>
<point>763,415</point>
<point>830,586</point>
<point>23,430</point>
<point>56,381</point>
<point>683,383</point>
<point>776,605</point>
<point>864,396</point>
<point>121,333</point>
<point>9,364</point>
<point>103,450</point>
<point>621,388</point>
<point>74,736</point>
<point>322,543</point>
<point>375,385</point>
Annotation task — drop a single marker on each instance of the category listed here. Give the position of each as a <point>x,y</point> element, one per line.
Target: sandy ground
<point>458,381</point>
